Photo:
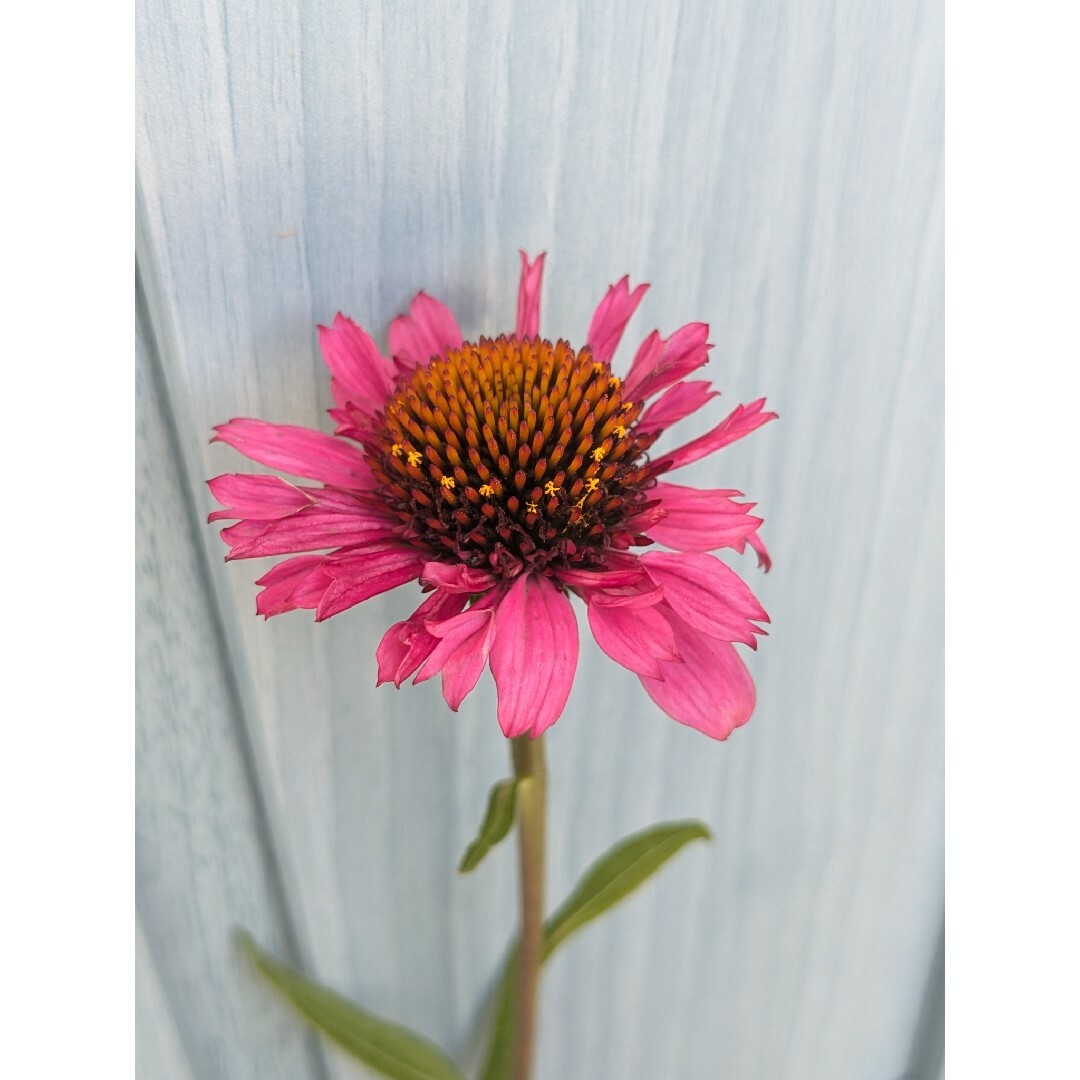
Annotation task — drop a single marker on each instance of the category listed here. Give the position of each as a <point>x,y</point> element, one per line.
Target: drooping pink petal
<point>363,572</point>
<point>638,527</point>
<point>711,690</point>
<point>457,577</point>
<point>534,655</point>
<point>299,582</point>
<point>638,636</point>
<point>742,421</point>
<point>764,559</point>
<point>659,364</point>
<point>601,579</point>
<point>361,374</point>
<point>355,422</point>
<point>677,403</point>
<point>611,317</point>
<point>311,529</point>
<point>707,594</point>
<point>261,497</point>
<point>528,306</point>
<point>299,451</point>
<point>337,501</point>
<point>643,593</point>
<point>701,520</point>
<point>428,330</point>
<point>464,643</point>
<point>406,645</point>
<point>359,561</point>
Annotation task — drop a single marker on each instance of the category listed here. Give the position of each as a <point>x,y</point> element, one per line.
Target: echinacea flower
<point>505,475</point>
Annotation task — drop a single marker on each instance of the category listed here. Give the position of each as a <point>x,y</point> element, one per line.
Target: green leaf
<point>630,863</point>
<point>388,1048</point>
<point>497,822</point>
<point>613,876</point>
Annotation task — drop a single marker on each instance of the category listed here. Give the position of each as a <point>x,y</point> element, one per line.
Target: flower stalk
<point>531,773</point>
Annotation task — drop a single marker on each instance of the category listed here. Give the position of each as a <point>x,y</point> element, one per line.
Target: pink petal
<point>674,405</point>
<point>764,559</point>
<point>528,309</point>
<point>462,652</point>
<point>351,420</point>
<point>358,562</point>
<point>659,364</point>
<point>637,637</point>
<point>643,593</point>
<point>299,582</point>
<point>298,450</point>
<point>534,655</point>
<point>701,520</point>
<point>360,372</point>
<point>270,498</point>
<point>362,574</point>
<point>289,571</point>
<point>611,317</point>
<point>456,577</point>
<point>742,421</point>
<point>262,497</point>
<point>428,330</point>
<point>311,529</point>
<point>601,579</point>
<point>711,690</point>
<point>337,501</point>
<point>646,360</point>
<point>406,645</point>
<point>707,594</point>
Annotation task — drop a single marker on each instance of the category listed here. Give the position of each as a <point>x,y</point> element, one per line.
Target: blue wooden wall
<point>773,169</point>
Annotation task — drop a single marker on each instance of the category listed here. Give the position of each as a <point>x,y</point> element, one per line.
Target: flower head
<point>505,475</point>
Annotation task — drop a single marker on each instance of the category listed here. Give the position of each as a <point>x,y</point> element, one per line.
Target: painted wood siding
<point>773,169</point>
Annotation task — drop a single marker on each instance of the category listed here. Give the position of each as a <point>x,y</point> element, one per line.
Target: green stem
<point>529,766</point>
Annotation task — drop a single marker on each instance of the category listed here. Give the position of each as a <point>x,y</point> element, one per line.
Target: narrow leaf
<point>612,877</point>
<point>497,822</point>
<point>388,1048</point>
<point>630,863</point>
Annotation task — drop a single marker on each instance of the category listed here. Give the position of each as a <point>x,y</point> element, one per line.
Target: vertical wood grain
<point>159,1050</point>
<point>203,867</point>
<point>773,169</point>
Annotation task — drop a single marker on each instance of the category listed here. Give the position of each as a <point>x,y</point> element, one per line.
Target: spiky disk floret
<point>513,451</point>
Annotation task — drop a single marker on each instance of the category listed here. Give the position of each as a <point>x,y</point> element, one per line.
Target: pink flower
<point>505,475</point>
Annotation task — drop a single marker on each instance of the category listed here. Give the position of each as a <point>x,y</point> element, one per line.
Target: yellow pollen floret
<point>447,482</point>
<point>486,490</point>
<point>598,369</point>
<point>614,382</point>
<point>532,508</point>
<point>592,484</point>
<point>598,454</point>
<point>396,449</point>
<point>620,431</point>
<point>415,457</point>
<point>551,488</point>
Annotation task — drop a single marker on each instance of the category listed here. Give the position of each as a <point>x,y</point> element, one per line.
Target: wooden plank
<point>201,863</point>
<point>774,170</point>
<point>159,1051</point>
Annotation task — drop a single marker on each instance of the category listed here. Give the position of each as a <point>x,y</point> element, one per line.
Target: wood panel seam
<point>264,833</point>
